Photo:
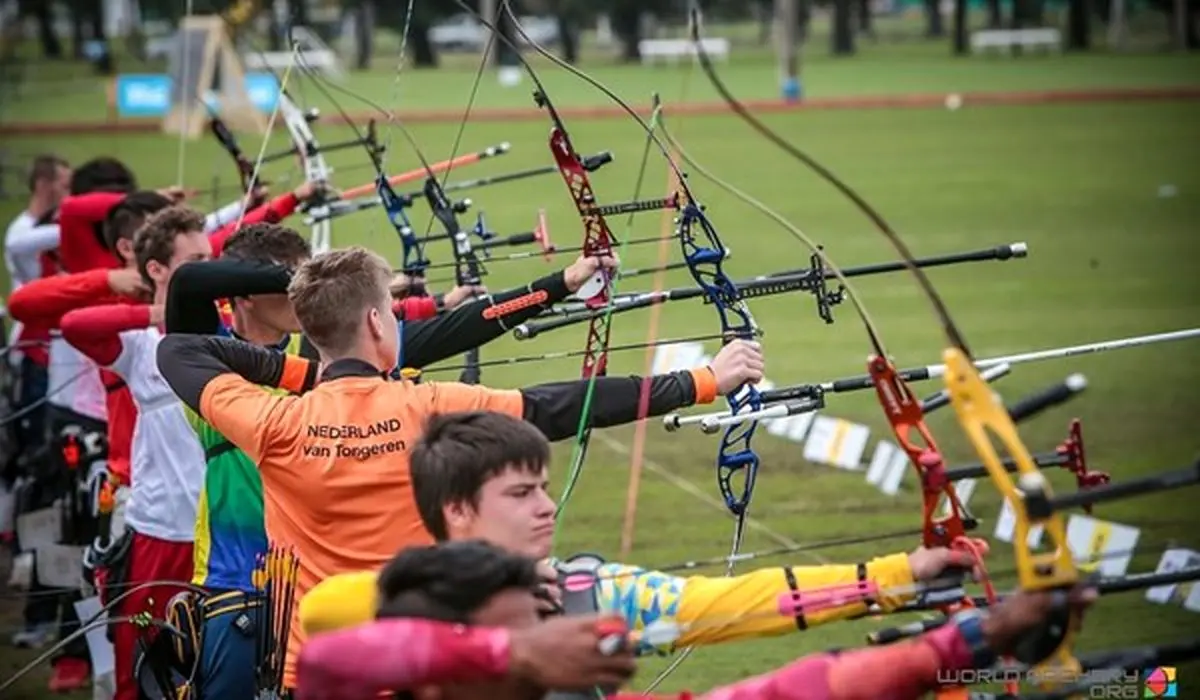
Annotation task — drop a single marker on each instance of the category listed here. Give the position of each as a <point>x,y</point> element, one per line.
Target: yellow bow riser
<point>986,422</point>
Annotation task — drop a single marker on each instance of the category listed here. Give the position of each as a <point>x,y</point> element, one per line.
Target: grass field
<point>1109,257</point>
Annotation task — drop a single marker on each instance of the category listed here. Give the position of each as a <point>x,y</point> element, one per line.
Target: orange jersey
<point>334,461</point>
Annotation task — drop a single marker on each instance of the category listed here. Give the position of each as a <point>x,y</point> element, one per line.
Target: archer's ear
<point>375,324</point>
<point>125,250</point>
<point>457,516</point>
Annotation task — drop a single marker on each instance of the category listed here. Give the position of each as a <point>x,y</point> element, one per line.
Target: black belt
<point>230,601</point>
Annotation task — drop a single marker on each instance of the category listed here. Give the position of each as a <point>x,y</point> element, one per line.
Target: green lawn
<point>1109,257</point>
<point>878,69</point>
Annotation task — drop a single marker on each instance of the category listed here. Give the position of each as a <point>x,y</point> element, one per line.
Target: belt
<point>227,602</point>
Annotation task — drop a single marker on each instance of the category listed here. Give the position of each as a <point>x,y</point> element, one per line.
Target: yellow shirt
<point>709,610</point>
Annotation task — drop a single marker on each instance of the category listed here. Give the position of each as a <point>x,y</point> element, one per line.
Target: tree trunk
<point>364,39</point>
<point>765,14</point>
<point>104,62</point>
<point>505,54</point>
<point>961,47</point>
<point>77,36</point>
<point>568,38</point>
<point>274,31</point>
<point>423,53</point>
<point>1191,31</point>
<point>298,11</point>
<point>995,14</point>
<point>1079,17</point>
<point>934,27</point>
<point>843,27</point>
<point>865,25</point>
<point>788,14</point>
<point>51,46</point>
<point>627,25</point>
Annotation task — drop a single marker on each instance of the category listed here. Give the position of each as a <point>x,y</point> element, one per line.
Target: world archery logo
<point>1160,683</point>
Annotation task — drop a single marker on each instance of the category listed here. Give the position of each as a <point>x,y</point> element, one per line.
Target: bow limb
<point>979,411</point>
<point>703,253</point>
<point>597,238</point>
<point>312,163</point>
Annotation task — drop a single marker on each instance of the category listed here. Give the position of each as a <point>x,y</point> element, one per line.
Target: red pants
<point>150,559</point>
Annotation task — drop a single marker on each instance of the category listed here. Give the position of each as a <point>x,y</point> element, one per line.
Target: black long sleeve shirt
<point>195,288</point>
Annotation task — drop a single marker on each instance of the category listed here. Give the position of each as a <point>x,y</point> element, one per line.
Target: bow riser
<point>984,419</point>
<point>703,260</point>
<point>904,414</point>
<point>413,262</point>
<point>597,241</point>
<point>597,237</point>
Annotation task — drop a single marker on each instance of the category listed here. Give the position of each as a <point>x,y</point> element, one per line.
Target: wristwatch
<point>970,626</point>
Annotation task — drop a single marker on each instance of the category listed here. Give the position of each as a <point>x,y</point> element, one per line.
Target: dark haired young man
<point>428,594</point>
<point>339,453</point>
<point>442,583</point>
<point>485,475</point>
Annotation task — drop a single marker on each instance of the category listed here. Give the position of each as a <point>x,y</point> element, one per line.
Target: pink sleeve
<point>415,308</point>
<point>274,211</point>
<point>96,330</point>
<point>904,671</point>
<point>397,654</point>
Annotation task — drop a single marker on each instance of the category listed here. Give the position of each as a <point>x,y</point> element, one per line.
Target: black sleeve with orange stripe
<point>190,362</point>
<point>556,408</point>
<point>478,322</point>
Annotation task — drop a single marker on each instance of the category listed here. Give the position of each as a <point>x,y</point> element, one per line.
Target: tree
<point>40,11</point>
<point>843,27</point>
<point>569,14</point>
<point>933,16</point>
<point>627,23</point>
<point>364,36</point>
<point>864,18</point>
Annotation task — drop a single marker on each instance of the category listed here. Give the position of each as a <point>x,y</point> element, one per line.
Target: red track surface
<point>920,101</point>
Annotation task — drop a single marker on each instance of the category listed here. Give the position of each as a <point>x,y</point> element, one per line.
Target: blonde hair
<point>332,291</point>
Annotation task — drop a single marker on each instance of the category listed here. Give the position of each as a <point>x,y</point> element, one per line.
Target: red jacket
<point>35,338</point>
<point>81,246</point>
<point>45,302</point>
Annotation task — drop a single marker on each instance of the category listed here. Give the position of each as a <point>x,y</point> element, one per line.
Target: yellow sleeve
<point>713,610</point>
<point>339,602</point>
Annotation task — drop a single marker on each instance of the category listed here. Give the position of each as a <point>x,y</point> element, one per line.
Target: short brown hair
<point>460,452</point>
<point>268,243</point>
<point>155,240</point>
<point>45,167</point>
<point>330,292</point>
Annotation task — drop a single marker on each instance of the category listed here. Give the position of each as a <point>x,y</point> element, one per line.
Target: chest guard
<point>577,578</point>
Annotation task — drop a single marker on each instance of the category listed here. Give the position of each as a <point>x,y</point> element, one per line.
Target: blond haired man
<point>334,461</point>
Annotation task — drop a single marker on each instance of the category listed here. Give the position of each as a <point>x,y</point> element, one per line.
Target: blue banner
<point>149,95</point>
<point>143,95</point>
